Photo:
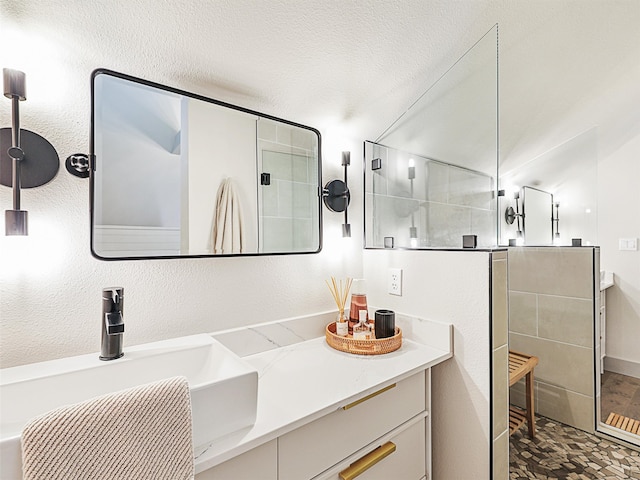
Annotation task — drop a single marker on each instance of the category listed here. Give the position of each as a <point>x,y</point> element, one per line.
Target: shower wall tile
<point>563,365</point>
<point>267,130</point>
<point>302,138</point>
<point>564,319</point>
<point>517,393</point>
<point>566,406</point>
<point>500,364</point>
<point>501,457</point>
<point>300,168</point>
<point>283,134</point>
<point>285,199</point>
<point>563,271</point>
<point>304,237</point>
<point>272,163</point>
<point>483,224</point>
<point>499,301</point>
<point>278,234</point>
<point>523,313</point>
<point>438,183</point>
<point>552,317</point>
<point>447,224</point>
<point>304,201</point>
<point>469,188</point>
<point>446,201</point>
<point>500,390</point>
<point>396,170</point>
<point>312,170</point>
<point>270,200</point>
<point>500,255</point>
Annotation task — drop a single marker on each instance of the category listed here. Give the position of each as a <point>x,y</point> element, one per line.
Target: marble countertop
<point>306,379</point>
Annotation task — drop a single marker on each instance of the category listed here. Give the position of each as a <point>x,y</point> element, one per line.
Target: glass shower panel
<point>430,177</point>
<point>417,202</point>
<point>289,176</point>
<point>288,211</point>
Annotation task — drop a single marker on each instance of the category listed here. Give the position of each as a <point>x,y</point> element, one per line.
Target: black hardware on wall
<point>336,195</point>
<point>78,165</point>
<point>29,158</point>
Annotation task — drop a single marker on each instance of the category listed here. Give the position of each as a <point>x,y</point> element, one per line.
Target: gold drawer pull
<point>364,399</point>
<point>368,461</point>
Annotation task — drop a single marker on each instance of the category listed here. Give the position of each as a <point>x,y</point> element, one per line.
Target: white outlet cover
<point>628,244</point>
<point>394,281</point>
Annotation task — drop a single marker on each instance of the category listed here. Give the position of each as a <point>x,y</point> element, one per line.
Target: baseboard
<point>624,367</point>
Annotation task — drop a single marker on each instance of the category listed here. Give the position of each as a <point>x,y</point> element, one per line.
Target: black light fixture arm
<point>336,195</point>
<point>30,159</point>
<point>15,90</point>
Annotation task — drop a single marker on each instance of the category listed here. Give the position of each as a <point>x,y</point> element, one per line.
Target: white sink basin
<point>224,388</point>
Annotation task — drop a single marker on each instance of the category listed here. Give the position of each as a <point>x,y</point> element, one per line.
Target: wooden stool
<point>520,365</point>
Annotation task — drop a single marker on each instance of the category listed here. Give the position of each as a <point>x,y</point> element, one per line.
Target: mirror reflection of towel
<point>228,234</point>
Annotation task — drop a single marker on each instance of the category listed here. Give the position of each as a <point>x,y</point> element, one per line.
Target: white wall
<point>619,197</point>
<point>448,287</point>
<point>138,127</point>
<point>50,285</point>
<point>215,154</point>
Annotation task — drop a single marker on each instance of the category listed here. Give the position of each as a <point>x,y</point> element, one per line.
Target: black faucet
<point>112,323</point>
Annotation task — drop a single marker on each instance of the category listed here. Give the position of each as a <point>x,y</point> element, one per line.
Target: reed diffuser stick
<point>340,292</point>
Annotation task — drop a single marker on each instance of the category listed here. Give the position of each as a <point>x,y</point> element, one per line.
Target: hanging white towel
<point>228,234</point>
<point>140,433</point>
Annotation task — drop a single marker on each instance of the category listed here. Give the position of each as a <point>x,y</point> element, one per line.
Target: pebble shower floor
<point>563,452</point>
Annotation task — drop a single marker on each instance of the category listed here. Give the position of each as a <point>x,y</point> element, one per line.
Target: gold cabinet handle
<point>368,397</point>
<point>369,460</point>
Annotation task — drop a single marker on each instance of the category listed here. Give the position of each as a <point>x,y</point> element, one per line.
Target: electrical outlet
<point>628,244</point>
<point>394,281</point>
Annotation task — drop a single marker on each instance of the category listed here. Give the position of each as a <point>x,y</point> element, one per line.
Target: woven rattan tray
<point>363,347</point>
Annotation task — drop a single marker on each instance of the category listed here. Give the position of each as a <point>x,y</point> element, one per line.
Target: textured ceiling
<point>565,66</point>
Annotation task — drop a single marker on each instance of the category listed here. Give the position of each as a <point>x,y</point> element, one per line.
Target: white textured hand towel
<point>228,234</point>
<point>139,433</point>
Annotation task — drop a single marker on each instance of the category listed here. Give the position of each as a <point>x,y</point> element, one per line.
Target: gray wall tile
<point>559,364</point>
<point>523,313</point>
<point>565,406</point>
<point>563,271</point>
<point>499,303</point>
<point>566,319</point>
<point>500,390</point>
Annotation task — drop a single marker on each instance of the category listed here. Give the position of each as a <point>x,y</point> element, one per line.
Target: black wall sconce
<point>336,195</point>
<point>27,160</point>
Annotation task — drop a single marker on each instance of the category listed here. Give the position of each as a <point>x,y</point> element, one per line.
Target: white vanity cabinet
<point>382,435</point>
<point>310,450</point>
<point>323,414</point>
<point>260,463</point>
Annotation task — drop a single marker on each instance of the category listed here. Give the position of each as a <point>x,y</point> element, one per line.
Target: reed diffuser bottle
<point>340,292</point>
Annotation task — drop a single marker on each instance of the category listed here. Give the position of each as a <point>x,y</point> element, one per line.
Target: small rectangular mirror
<point>537,206</point>
<point>175,174</point>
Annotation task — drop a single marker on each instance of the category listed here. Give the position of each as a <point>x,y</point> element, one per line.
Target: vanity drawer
<point>313,448</point>
<point>403,456</point>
